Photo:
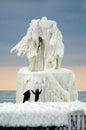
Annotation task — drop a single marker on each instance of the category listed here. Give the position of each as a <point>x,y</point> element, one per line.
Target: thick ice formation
<point>56,85</point>
<point>42,44</point>
<point>44,48</point>
<point>38,114</point>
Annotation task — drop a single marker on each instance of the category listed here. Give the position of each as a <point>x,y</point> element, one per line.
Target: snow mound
<point>38,113</point>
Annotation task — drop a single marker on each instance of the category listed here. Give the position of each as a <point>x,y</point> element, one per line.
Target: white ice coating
<point>56,85</point>
<point>38,114</point>
<point>44,48</point>
<point>42,44</point>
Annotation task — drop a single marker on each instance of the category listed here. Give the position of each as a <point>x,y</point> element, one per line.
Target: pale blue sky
<point>70,15</point>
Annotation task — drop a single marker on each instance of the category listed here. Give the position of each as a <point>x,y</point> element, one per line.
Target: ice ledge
<point>25,70</point>
<point>38,114</point>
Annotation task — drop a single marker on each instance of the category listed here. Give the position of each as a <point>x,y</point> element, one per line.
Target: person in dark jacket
<point>26,96</point>
<point>37,93</point>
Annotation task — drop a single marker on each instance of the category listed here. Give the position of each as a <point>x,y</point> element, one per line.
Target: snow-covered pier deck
<point>44,116</point>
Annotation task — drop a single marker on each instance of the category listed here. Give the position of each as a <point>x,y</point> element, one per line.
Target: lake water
<point>10,96</point>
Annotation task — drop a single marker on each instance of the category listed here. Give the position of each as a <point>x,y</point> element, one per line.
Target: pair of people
<point>27,95</point>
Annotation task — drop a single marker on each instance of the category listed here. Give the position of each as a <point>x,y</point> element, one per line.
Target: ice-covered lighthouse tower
<point>43,45</point>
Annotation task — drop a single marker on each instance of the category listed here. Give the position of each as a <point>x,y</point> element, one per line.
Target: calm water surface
<point>10,96</point>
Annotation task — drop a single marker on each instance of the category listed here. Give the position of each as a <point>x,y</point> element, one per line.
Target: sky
<point>70,16</point>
